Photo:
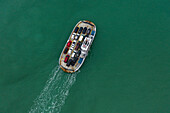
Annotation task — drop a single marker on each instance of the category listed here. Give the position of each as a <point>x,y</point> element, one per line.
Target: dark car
<point>66,50</point>
<point>78,53</point>
<point>74,61</point>
<point>76,29</point>
<point>69,62</point>
<point>84,30</point>
<point>80,30</point>
<point>77,46</point>
<point>88,31</point>
<point>66,58</point>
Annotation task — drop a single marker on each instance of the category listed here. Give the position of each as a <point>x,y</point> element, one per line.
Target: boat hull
<point>78,44</point>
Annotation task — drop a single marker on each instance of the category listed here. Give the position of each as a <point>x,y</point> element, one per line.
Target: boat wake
<point>56,90</point>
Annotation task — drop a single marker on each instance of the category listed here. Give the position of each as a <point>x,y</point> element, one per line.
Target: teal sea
<point>126,71</point>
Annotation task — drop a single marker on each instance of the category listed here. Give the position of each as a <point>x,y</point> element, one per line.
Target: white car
<point>86,44</point>
<point>70,51</point>
<point>73,44</point>
<point>73,54</point>
<point>72,37</point>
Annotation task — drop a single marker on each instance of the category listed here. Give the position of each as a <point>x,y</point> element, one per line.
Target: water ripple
<point>56,90</point>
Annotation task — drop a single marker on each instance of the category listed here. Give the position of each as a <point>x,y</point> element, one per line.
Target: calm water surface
<point>126,71</point>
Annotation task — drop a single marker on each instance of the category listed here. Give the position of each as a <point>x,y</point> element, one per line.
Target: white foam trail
<point>56,90</point>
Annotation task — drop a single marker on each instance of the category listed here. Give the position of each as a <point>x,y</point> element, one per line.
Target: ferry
<point>77,46</point>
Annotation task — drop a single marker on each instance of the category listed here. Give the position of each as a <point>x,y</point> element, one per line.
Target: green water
<point>126,71</point>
